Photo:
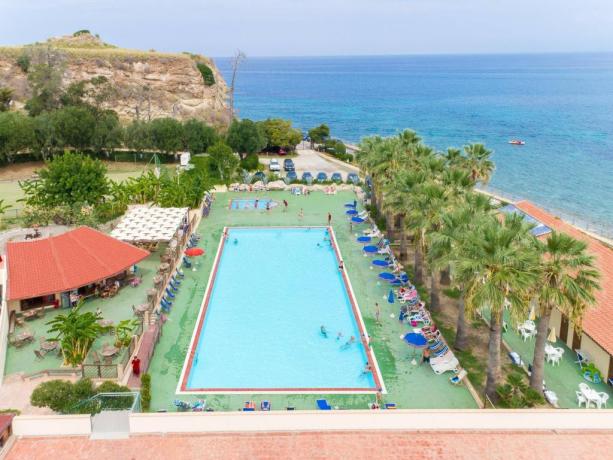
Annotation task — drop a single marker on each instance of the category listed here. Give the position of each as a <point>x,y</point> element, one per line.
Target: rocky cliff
<point>147,84</point>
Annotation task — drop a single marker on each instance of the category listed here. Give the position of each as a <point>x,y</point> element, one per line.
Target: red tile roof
<point>356,445</point>
<point>59,263</point>
<point>598,322</point>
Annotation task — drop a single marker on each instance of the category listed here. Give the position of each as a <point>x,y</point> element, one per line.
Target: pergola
<point>151,224</point>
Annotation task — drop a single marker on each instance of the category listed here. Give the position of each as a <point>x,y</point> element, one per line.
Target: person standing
<point>301,214</point>
<point>284,205</point>
<point>377,313</point>
<point>329,219</point>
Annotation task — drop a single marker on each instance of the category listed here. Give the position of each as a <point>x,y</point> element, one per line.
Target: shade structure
<point>351,212</point>
<point>390,296</point>
<point>194,252</point>
<point>364,239</point>
<point>150,223</point>
<point>380,263</point>
<point>370,249</point>
<point>552,335</point>
<point>357,220</point>
<point>415,340</point>
<point>387,276</point>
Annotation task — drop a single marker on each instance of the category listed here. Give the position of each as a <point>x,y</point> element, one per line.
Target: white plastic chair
<point>602,400</point>
<point>581,399</point>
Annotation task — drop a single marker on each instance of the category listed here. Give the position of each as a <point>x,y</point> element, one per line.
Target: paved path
<point>327,445</point>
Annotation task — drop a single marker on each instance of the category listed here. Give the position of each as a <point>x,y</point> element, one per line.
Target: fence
<point>599,228</point>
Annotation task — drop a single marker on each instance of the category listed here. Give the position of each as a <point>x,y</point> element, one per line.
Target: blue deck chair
<point>170,294</point>
<point>322,404</point>
<point>390,405</point>
<point>186,263</point>
<point>180,273</point>
<point>265,405</point>
<point>175,280</point>
<point>249,406</point>
<point>167,301</point>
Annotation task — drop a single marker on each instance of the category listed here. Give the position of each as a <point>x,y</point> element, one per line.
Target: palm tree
<point>498,267</point>
<point>446,245</point>
<point>75,332</point>
<point>568,281</point>
<point>478,163</point>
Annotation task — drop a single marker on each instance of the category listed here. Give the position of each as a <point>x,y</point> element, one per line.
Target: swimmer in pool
<point>367,369</point>
<point>323,331</point>
<point>339,336</point>
<point>235,241</point>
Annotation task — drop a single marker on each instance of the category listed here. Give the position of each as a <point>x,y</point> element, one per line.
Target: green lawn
<point>408,386</point>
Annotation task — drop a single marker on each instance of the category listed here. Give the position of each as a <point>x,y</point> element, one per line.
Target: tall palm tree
<point>478,162</point>
<point>498,267</point>
<point>446,244</point>
<point>568,281</point>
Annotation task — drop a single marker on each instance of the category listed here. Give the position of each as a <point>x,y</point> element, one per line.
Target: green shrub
<point>57,395</point>
<point>207,74</point>
<point>145,391</point>
<point>23,61</point>
<point>81,32</point>
<point>250,162</point>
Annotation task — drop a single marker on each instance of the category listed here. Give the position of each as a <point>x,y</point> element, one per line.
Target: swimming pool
<point>270,291</point>
<point>251,203</point>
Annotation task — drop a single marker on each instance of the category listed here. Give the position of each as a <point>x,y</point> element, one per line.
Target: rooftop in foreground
<point>331,444</point>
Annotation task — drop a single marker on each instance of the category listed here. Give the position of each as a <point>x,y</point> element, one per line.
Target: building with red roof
<point>596,337</point>
<point>47,271</point>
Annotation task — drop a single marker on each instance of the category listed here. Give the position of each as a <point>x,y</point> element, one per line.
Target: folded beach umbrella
<point>380,263</point>
<point>358,220</point>
<point>387,276</point>
<point>364,239</point>
<point>351,212</point>
<point>390,296</point>
<point>552,335</point>
<point>370,249</point>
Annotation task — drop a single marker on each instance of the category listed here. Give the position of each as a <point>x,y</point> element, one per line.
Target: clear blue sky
<point>320,27</point>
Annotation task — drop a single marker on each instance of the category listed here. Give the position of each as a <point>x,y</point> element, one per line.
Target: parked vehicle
<point>306,176</point>
<point>288,164</point>
<point>291,176</point>
<point>258,176</point>
<point>353,178</point>
<point>336,177</point>
<point>322,176</point>
<point>274,165</point>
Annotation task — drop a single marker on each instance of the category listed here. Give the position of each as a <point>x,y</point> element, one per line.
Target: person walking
<point>377,313</point>
<point>329,219</point>
<point>301,214</point>
<point>284,205</point>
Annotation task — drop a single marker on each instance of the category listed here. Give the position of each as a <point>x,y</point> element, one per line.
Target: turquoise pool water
<point>274,289</point>
<point>251,203</point>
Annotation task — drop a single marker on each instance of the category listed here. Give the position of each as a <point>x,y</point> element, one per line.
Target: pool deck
<point>409,386</point>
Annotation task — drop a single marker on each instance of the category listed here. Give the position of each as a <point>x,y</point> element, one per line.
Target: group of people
<point>339,337</point>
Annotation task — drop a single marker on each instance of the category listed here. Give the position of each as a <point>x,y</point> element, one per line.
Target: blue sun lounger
<point>322,404</point>
<point>265,405</point>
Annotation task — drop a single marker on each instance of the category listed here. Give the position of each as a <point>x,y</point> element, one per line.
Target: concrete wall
<point>52,425</point>
<point>4,325</point>
<point>556,322</point>
<point>372,420</point>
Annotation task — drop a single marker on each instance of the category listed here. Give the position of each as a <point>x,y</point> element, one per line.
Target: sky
<point>320,27</point>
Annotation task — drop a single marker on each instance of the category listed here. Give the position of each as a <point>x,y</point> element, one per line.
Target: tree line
<point>492,265</point>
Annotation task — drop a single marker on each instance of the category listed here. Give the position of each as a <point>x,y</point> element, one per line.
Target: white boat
<point>517,142</point>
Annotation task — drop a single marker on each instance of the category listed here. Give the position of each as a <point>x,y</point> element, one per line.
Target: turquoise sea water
<point>561,105</point>
<point>273,291</point>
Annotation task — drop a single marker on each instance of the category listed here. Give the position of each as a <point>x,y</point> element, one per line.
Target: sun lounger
<point>249,406</point>
<point>265,405</point>
<point>390,405</point>
<point>322,404</point>
<point>456,379</point>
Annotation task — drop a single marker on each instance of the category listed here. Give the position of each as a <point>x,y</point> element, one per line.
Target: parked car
<point>282,152</point>
<point>288,164</point>
<point>322,176</point>
<point>258,176</point>
<point>291,176</point>
<point>353,178</point>
<point>336,177</point>
<point>306,176</point>
<point>274,165</point>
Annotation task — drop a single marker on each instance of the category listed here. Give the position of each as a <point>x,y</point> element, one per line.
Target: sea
<point>561,105</point>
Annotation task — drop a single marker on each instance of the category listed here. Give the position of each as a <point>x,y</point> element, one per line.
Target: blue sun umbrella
<point>415,341</point>
<point>404,277</point>
<point>390,296</point>
<point>370,249</point>
<point>380,263</point>
<point>364,239</point>
<point>351,212</point>
<point>358,220</point>
<point>395,282</point>
<point>387,276</point>
<point>350,205</point>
